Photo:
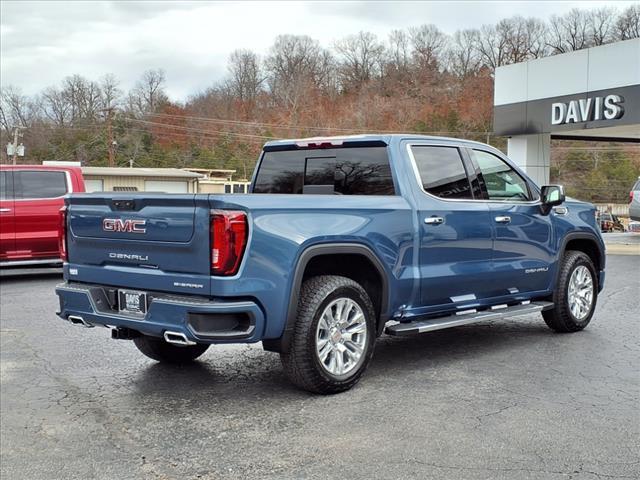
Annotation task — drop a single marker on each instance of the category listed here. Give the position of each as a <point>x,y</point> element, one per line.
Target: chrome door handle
<point>434,220</point>
<point>5,209</point>
<point>504,219</point>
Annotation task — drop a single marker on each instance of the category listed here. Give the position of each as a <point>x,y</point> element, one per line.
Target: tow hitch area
<point>122,333</point>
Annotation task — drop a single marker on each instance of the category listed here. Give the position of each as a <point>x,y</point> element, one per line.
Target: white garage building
<point>169,180</point>
<point>591,94</point>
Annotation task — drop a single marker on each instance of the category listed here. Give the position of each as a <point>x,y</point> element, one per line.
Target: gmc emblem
<point>120,225</point>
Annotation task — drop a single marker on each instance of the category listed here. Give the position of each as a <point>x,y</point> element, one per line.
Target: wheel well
<point>351,265</point>
<point>586,246</point>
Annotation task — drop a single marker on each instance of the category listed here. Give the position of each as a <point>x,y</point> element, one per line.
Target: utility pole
<point>111,143</point>
<point>14,149</point>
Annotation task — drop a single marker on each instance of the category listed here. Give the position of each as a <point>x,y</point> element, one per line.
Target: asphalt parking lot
<point>505,399</point>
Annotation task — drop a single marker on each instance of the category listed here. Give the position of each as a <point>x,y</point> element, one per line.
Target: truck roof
<point>61,168</point>
<point>364,138</point>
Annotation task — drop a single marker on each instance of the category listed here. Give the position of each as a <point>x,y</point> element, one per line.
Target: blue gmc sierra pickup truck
<point>340,240</point>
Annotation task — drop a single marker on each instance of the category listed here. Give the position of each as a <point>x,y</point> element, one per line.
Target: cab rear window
<point>336,171</point>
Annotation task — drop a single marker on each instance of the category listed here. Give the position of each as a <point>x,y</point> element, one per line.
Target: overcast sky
<point>42,42</point>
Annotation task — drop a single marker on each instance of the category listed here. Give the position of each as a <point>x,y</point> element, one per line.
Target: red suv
<point>30,200</point>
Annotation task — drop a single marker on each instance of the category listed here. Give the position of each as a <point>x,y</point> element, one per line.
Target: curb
<point>621,249</point>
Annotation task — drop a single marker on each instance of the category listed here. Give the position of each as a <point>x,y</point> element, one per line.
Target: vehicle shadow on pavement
<point>29,275</point>
<point>431,350</point>
<point>258,373</point>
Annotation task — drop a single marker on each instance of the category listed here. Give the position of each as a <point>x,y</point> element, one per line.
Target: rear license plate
<point>132,301</point>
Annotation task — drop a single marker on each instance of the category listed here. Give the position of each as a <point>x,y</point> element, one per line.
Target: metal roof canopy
<point>591,94</point>
<point>138,172</point>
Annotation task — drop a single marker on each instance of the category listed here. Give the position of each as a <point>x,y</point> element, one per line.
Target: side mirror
<point>551,195</point>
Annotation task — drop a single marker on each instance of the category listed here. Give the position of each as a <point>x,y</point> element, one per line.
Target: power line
<point>195,130</point>
<point>307,127</point>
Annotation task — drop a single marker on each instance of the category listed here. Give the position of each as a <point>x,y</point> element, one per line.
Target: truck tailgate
<point>158,241</point>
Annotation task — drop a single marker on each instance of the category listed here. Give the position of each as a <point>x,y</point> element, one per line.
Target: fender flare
<point>592,237</point>
<point>281,344</point>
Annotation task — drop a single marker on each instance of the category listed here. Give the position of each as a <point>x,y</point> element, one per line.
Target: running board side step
<point>462,318</point>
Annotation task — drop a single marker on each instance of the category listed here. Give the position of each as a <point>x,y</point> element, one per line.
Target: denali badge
<point>120,225</point>
<point>129,256</point>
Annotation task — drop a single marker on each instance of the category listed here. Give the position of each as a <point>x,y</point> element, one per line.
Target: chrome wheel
<point>341,337</point>
<point>580,292</point>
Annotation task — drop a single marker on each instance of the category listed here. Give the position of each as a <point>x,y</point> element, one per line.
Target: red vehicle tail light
<point>631,196</point>
<point>62,234</point>
<point>229,234</point>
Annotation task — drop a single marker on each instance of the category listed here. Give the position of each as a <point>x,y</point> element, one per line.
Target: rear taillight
<point>62,234</point>
<point>631,196</point>
<point>229,233</point>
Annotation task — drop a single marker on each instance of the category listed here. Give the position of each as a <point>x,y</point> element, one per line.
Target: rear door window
<point>442,171</point>
<point>33,184</point>
<point>336,171</point>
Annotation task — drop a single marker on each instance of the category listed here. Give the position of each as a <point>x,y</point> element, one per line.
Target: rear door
<point>38,199</point>
<point>455,230</point>
<point>7,224</point>
<point>523,250</point>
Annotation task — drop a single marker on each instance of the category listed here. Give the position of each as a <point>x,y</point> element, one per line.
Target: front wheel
<point>575,295</point>
<point>161,351</point>
<point>333,337</point>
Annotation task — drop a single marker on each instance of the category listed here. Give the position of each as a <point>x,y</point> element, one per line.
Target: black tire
<point>560,318</point>
<point>161,351</point>
<point>301,362</point>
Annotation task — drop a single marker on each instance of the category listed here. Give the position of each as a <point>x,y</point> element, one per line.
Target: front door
<point>522,251</point>
<point>455,231</point>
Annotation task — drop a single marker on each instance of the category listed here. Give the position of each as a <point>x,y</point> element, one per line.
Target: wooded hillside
<point>415,80</point>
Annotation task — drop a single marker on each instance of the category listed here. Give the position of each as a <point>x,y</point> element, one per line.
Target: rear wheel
<point>161,351</point>
<point>576,294</point>
<point>333,337</point>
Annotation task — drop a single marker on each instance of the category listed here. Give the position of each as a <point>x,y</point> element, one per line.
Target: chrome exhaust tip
<point>177,338</point>
<point>78,320</point>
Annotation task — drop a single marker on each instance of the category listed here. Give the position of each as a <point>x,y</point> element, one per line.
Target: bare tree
<point>111,93</point>
<point>326,72</point>
<point>569,32</point>
<point>84,97</point>
<point>511,40</point>
<point>148,94</point>
<point>245,79</point>
<point>463,57</point>
<point>361,58</point>
<point>492,46</point>
<point>628,23</point>
<point>16,109</point>
<point>602,25</point>
<point>295,64</point>
<point>514,32</point>
<point>55,105</point>
<point>428,44</point>
<point>398,51</point>
<point>536,38</point>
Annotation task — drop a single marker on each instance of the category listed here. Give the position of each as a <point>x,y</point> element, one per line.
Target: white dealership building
<point>590,94</point>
